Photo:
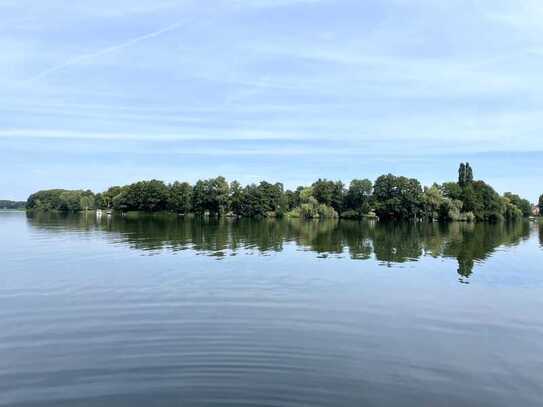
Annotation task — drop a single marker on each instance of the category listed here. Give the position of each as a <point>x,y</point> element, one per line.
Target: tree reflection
<point>388,243</point>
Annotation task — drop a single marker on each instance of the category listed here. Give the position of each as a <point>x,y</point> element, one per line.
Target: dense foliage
<point>397,197</point>
<point>390,197</point>
<point>61,200</point>
<point>522,204</point>
<point>6,204</point>
<point>143,196</point>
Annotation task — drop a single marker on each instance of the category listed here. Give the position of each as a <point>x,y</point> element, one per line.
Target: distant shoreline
<point>389,197</point>
<point>6,204</point>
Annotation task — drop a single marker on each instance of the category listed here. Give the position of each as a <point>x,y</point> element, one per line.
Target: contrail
<point>104,51</point>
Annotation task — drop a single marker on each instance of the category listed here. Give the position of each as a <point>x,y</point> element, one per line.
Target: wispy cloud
<point>90,56</point>
<point>239,135</point>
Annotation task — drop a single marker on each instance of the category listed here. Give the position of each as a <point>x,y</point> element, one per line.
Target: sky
<point>103,93</point>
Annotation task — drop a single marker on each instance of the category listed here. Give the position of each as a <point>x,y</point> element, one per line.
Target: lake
<point>155,310</point>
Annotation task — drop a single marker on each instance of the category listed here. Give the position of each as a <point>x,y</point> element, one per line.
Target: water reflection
<point>388,243</point>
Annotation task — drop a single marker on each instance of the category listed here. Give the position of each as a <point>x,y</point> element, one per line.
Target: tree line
<point>7,204</point>
<point>389,197</point>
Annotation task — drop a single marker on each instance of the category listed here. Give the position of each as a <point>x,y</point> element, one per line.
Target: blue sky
<point>108,92</point>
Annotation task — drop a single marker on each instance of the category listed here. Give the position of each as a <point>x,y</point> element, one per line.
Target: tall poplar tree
<point>462,175</point>
<point>469,174</point>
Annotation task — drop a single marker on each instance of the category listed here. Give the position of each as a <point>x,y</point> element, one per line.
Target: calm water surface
<point>160,311</point>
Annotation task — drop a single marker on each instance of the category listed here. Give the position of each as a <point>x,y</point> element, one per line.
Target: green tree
<point>397,197</point>
<point>541,205</point>
<point>523,204</point>
<point>211,196</point>
<point>61,200</point>
<point>293,198</point>
<point>220,195</point>
<point>451,210</point>
<point>432,201</point>
<point>462,175</point>
<point>310,208</point>
<point>510,210</point>
<point>329,193</point>
<point>180,197</point>
<point>106,197</point>
<point>469,174</point>
<point>358,196</point>
<point>236,198</point>
<point>49,199</point>
<point>272,195</point>
<point>465,175</point>
<point>98,201</point>
<point>70,201</point>
<point>86,202</point>
<point>263,200</point>
<point>254,203</point>
<point>200,197</point>
<point>120,203</point>
<point>148,196</point>
<point>485,203</point>
<point>452,190</point>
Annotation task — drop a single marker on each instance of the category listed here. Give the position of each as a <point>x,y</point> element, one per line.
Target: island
<point>389,197</point>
